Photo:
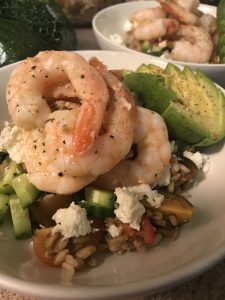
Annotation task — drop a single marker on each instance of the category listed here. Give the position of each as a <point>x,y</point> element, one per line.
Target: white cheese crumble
<point>129,209</point>
<point>152,196</point>
<point>114,230</point>
<point>128,25</point>
<point>12,141</point>
<point>71,221</point>
<point>164,179</point>
<point>201,160</point>
<point>116,38</point>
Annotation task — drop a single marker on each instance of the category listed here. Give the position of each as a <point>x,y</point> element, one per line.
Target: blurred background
<point>30,26</point>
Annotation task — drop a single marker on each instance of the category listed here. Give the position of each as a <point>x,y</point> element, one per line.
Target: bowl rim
<point>124,48</point>
<point>137,288</point>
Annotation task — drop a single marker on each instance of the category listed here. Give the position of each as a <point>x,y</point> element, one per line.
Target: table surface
<point>208,286</point>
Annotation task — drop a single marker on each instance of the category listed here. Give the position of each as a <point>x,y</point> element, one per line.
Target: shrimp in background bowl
<point>180,28</point>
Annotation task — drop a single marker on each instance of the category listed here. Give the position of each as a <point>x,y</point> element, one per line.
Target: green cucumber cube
<point>4,205</point>
<point>8,170</point>
<point>101,197</point>
<point>25,190</point>
<point>20,218</point>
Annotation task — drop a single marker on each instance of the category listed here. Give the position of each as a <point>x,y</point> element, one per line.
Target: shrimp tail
<point>85,130</point>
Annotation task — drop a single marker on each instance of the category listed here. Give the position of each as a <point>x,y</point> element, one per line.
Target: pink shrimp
<point>180,13</point>
<point>155,29</point>
<point>51,73</point>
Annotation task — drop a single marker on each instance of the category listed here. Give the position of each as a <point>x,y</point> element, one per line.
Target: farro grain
<point>171,187</point>
<point>86,251</point>
<point>79,262</point>
<point>175,233</point>
<point>165,231</point>
<point>184,169</point>
<point>81,240</point>
<point>92,262</point>
<point>60,257</point>
<point>175,166</point>
<point>138,244</point>
<point>158,238</point>
<point>161,223</point>
<point>114,244</point>
<point>173,220</point>
<point>175,177</point>
<point>60,245</point>
<point>157,216</point>
<point>52,240</point>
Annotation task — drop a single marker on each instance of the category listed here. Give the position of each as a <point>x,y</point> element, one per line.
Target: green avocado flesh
<point>192,106</point>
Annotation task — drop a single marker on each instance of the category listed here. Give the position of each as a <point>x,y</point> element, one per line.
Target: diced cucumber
<point>104,198</point>
<point>78,196</point>
<point>25,190</point>
<point>8,170</point>
<point>20,218</point>
<point>4,205</point>
<point>95,211</point>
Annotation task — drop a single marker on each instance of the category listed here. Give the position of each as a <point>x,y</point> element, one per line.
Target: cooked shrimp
<point>195,45</point>
<point>112,144</point>
<point>180,13</point>
<point>155,29</point>
<point>41,171</point>
<point>147,14</point>
<point>208,22</point>
<point>35,81</point>
<point>190,5</point>
<point>150,159</point>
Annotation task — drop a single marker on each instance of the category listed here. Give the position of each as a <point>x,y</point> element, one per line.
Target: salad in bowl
<point>99,160</point>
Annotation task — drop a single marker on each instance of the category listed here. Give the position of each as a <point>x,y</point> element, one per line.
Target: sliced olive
<point>176,205</point>
<point>191,166</point>
<point>44,208</point>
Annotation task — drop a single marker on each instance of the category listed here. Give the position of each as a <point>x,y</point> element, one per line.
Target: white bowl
<point>114,19</point>
<point>200,246</point>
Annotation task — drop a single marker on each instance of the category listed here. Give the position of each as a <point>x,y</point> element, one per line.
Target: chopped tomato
<point>146,231</point>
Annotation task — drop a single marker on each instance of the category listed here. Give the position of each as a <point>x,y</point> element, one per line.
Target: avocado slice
<point>150,68</point>
<point>192,106</point>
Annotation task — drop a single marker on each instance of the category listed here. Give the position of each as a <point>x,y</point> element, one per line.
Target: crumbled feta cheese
<point>129,209</point>
<point>12,141</point>
<point>152,196</point>
<point>128,25</point>
<point>201,160</point>
<point>71,221</point>
<point>164,179</point>
<point>114,230</point>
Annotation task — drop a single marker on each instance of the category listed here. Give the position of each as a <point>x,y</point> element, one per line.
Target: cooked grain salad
<point>98,160</point>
